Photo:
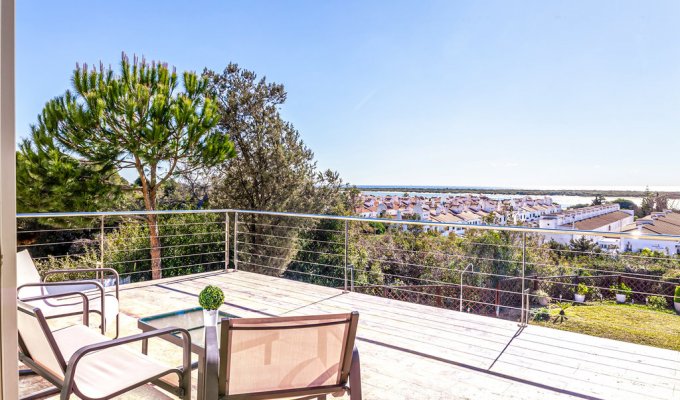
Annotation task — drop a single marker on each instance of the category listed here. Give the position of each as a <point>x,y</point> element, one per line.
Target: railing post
<point>236,241</point>
<point>460,295</point>
<point>346,250</point>
<point>226,241</point>
<point>351,276</point>
<point>498,298</point>
<point>101,248</point>
<point>524,259</point>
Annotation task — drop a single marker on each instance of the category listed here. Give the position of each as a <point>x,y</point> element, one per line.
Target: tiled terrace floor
<point>410,351</point>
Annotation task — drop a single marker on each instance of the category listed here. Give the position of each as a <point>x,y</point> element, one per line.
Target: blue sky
<point>481,93</point>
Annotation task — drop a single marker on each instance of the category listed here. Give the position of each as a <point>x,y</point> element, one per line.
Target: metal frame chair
<point>76,359</point>
<point>269,358</point>
<point>35,291</point>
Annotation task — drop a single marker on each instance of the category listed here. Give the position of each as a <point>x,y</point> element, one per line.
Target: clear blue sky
<point>482,93</point>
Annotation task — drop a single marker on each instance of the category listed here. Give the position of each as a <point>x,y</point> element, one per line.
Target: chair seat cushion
<point>108,371</point>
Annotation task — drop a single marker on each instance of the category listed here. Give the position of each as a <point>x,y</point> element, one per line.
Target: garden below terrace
<point>635,323</point>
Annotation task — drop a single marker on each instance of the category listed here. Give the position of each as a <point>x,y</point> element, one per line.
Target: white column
<point>8,281</point>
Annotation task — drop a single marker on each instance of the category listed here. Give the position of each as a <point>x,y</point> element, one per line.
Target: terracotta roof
<point>593,223</point>
<point>665,225</point>
<point>445,217</point>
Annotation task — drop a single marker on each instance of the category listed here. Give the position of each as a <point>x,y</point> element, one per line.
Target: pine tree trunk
<point>149,193</point>
<point>155,244</point>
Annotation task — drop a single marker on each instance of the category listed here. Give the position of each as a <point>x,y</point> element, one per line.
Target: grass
<point>627,322</point>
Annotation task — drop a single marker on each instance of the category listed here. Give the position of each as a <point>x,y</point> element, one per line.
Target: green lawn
<point>627,322</point>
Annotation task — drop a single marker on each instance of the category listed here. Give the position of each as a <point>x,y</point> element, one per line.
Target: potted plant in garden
<point>676,299</point>
<point>210,298</point>
<point>542,297</point>
<point>622,291</point>
<point>581,291</point>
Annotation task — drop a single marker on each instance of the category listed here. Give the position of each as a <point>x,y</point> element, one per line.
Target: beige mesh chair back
<point>66,297</point>
<point>27,273</point>
<point>35,341</point>
<point>288,356</point>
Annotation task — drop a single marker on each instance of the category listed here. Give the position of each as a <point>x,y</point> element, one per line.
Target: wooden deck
<point>411,351</point>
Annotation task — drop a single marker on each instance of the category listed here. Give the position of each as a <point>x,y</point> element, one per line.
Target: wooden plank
<point>439,353</point>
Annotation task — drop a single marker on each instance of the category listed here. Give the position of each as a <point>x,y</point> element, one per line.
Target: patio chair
<point>299,357</point>
<point>80,361</point>
<point>31,289</point>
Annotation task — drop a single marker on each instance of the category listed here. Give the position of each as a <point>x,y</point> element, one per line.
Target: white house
<point>604,218</point>
<point>659,223</point>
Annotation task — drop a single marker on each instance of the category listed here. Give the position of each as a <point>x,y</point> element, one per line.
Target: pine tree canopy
<point>139,119</point>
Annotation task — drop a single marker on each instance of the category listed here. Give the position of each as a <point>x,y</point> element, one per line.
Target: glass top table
<point>190,319</point>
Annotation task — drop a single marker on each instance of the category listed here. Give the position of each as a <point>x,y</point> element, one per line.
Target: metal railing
<point>491,270</point>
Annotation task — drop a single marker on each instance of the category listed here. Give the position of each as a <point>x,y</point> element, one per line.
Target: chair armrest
<point>83,351</point>
<point>97,285</point>
<point>86,302</point>
<point>66,271</point>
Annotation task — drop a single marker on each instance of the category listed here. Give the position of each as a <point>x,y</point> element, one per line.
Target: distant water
<point>633,188</point>
<point>565,201</point>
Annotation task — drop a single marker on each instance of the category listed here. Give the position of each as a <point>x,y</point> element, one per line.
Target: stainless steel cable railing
<point>500,271</point>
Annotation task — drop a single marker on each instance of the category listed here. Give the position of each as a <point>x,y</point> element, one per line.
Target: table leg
<point>145,346</point>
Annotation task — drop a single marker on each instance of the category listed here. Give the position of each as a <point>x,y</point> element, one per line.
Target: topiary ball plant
<point>211,298</point>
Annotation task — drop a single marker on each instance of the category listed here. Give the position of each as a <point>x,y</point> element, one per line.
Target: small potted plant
<point>210,298</point>
<point>622,291</point>
<point>581,291</point>
<point>542,298</point>
<point>676,299</point>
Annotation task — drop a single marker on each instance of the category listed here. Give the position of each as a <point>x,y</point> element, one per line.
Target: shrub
<point>541,314</point>
<point>671,275</point>
<point>88,259</point>
<point>582,289</point>
<point>540,294</point>
<point>676,298</point>
<point>657,302</point>
<point>622,288</point>
<point>211,297</point>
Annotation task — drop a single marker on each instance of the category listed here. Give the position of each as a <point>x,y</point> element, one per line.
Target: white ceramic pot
<point>620,298</point>
<point>579,298</point>
<point>209,317</point>
<point>677,307</point>
<point>543,301</point>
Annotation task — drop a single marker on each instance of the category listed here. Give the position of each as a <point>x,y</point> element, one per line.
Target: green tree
<point>138,120</point>
<point>598,200</point>
<point>274,170</point>
<point>660,202</point>
<point>490,219</point>
<point>626,204</point>
<point>49,181</point>
<point>583,246</point>
<point>647,205</point>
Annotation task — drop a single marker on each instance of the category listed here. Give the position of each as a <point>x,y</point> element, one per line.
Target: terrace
<point>451,335</point>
